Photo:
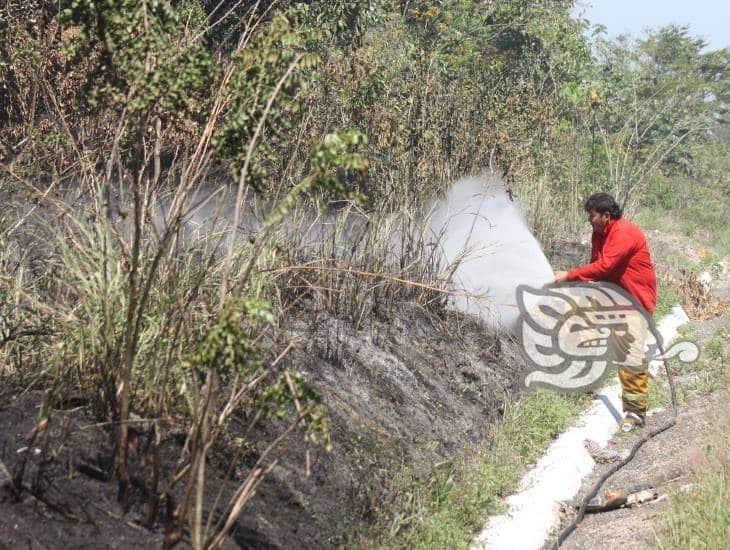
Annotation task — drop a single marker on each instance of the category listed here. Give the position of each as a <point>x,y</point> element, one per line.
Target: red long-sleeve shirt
<point>620,255</point>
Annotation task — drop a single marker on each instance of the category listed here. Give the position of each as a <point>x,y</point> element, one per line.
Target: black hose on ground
<point>566,532</point>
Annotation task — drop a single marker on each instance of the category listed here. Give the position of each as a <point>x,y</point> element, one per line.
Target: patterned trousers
<point>635,390</point>
<point>628,349</point>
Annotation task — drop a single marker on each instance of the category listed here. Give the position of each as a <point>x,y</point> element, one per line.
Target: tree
<point>660,94</point>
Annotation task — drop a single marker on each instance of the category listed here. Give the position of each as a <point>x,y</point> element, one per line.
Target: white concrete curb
<point>559,474</point>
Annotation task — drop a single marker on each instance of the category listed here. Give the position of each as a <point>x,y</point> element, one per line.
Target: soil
<point>61,507</point>
<point>403,394</point>
<point>667,463</point>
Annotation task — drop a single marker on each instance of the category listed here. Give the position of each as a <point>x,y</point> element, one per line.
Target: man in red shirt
<point>620,255</point>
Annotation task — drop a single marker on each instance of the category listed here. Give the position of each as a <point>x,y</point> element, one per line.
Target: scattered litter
<point>599,454</point>
<point>697,300</point>
<point>36,451</point>
<point>705,279</point>
<point>612,499</point>
<point>636,499</point>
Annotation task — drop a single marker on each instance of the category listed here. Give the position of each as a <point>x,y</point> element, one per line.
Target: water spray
<point>487,244</point>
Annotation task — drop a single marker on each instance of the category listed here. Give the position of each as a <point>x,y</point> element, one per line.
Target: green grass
<point>667,298</point>
<point>711,365</point>
<point>649,219</point>
<point>659,396</point>
<point>448,508</point>
<point>709,368</point>
<point>703,222</point>
<point>701,518</point>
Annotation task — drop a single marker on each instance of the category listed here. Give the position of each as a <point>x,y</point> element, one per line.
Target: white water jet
<point>479,227</point>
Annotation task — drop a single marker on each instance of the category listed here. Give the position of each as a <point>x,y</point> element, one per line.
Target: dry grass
<point>697,300</point>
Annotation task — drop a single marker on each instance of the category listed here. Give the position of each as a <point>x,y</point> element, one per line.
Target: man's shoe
<point>631,422</point>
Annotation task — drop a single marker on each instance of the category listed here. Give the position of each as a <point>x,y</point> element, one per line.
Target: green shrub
<point>667,298</point>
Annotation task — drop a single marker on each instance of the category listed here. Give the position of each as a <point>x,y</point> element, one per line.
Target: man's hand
<point>560,277</point>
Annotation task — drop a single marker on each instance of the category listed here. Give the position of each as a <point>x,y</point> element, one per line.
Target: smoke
<point>485,243</point>
<point>485,239</point>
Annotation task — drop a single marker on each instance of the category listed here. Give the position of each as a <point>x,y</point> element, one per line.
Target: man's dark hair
<point>603,203</point>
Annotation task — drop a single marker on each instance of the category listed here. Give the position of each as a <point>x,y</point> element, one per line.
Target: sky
<point>709,19</point>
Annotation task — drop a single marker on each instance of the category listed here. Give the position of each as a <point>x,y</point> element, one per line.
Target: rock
<point>599,454</point>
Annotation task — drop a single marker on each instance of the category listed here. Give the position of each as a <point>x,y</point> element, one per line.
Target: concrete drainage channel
<point>558,475</point>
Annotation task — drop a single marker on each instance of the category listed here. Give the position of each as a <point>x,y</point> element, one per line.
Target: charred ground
<point>402,395</point>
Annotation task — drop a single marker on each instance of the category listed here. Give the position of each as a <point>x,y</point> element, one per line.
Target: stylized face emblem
<point>571,335</point>
<point>608,334</point>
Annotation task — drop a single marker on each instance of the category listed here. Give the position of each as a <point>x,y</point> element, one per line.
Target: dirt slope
<point>403,393</point>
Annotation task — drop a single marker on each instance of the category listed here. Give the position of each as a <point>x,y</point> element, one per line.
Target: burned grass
<point>404,396</point>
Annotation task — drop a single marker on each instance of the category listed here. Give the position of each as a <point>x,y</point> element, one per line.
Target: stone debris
<point>603,455</point>
<point>636,499</point>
